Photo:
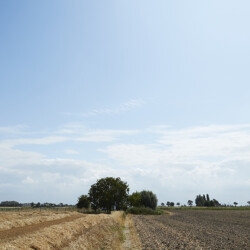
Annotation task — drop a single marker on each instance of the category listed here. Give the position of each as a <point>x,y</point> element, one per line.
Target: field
<point>195,229</point>
<point>176,229</point>
<point>48,229</point>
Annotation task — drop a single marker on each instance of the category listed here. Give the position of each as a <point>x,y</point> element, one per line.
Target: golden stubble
<point>14,219</point>
<point>83,232</point>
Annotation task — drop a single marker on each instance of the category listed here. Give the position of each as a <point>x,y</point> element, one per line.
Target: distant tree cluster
<point>143,199</point>
<point>170,204</point>
<point>204,201</point>
<point>106,194</point>
<point>112,193</point>
<point>31,204</point>
<point>10,204</point>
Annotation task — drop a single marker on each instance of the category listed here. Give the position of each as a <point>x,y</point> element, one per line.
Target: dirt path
<point>19,231</point>
<point>131,239</point>
<point>126,232</point>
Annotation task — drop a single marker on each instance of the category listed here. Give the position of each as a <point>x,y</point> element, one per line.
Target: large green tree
<point>108,193</point>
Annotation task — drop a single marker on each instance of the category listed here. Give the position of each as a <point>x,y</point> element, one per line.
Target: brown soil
<point>19,231</point>
<point>195,229</point>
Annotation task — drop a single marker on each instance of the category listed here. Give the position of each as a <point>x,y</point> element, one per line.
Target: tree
<point>135,199</point>
<point>162,204</point>
<point>215,203</point>
<point>168,203</point>
<point>178,203</point>
<point>190,203</point>
<point>200,201</point>
<point>235,203</point>
<point>108,193</point>
<point>204,201</point>
<point>149,199</point>
<point>208,199</point>
<point>171,204</point>
<point>83,202</point>
<point>248,203</point>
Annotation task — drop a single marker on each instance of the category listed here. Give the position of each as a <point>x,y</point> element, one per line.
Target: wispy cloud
<point>13,130</point>
<point>68,134</point>
<point>71,152</point>
<point>123,107</point>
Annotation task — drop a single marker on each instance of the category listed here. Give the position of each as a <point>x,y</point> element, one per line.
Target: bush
<point>148,199</point>
<point>134,199</point>
<point>144,210</point>
<point>83,202</point>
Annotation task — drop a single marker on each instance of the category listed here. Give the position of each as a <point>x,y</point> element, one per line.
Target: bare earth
<point>195,229</point>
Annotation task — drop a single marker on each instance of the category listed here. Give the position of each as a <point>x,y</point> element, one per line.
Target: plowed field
<point>195,229</point>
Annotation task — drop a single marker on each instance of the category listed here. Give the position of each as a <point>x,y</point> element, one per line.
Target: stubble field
<point>47,229</point>
<point>195,229</point>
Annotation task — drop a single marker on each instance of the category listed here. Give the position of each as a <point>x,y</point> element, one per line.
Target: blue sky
<point>156,92</point>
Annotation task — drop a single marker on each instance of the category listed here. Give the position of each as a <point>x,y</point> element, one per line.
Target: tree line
<point>202,201</point>
<point>31,204</point>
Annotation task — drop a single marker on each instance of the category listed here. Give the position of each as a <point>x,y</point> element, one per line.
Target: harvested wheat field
<point>195,229</point>
<point>62,230</point>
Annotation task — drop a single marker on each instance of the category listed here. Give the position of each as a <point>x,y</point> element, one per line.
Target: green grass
<point>144,211</point>
<point>204,208</point>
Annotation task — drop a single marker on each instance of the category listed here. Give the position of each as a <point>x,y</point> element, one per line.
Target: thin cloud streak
<point>124,107</point>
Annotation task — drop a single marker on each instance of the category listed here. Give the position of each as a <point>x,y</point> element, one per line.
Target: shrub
<point>148,199</point>
<point>83,202</point>
<point>143,210</point>
<point>135,199</point>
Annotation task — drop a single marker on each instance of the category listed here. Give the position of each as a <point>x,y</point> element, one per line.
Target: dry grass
<point>12,219</point>
<point>105,235</point>
<point>86,232</point>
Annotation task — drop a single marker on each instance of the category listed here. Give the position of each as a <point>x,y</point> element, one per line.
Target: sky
<point>154,92</point>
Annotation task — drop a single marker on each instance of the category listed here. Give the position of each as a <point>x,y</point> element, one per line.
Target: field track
<point>19,231</point>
